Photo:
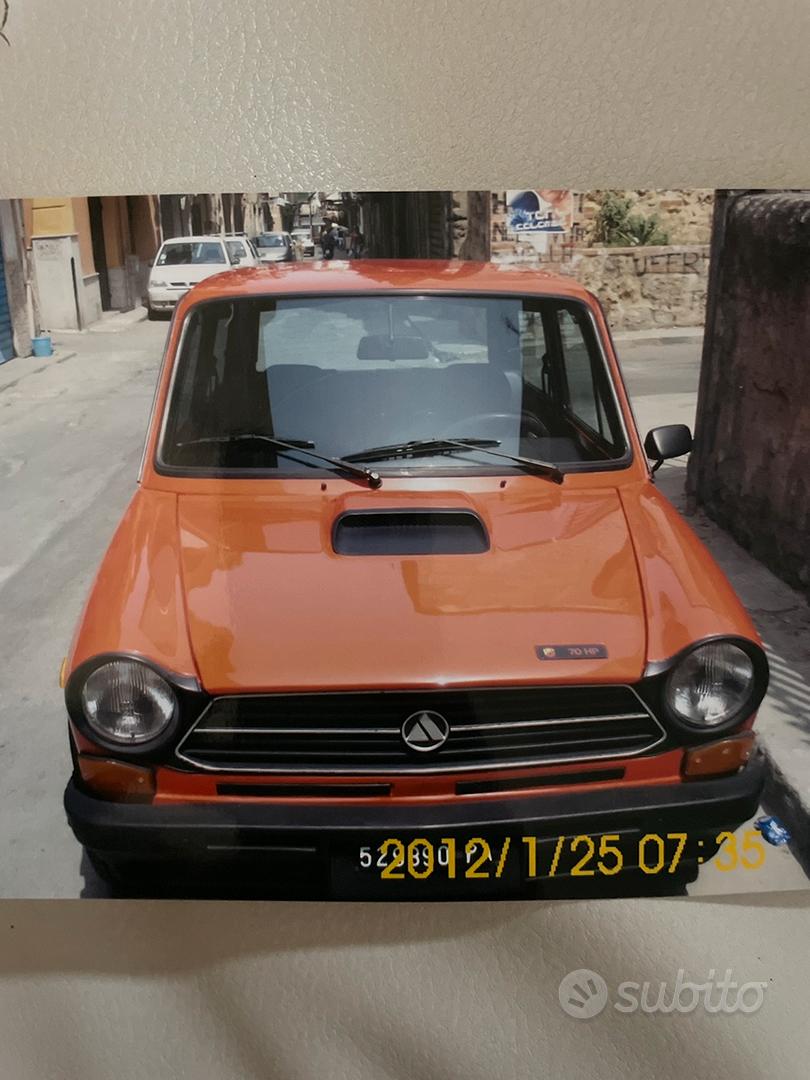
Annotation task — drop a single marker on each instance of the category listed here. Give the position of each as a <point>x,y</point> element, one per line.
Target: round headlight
<point>711,684</point>
<point>127,702</point>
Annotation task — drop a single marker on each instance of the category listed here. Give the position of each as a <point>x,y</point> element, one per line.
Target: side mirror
<point>235,259</point>
<point>669,441</point>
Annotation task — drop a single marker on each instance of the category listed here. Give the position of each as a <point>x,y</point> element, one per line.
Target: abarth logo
<point>571,652</point>
<point>425,731</point>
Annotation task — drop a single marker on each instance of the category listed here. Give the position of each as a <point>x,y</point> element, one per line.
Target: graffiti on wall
<point>670,262</point>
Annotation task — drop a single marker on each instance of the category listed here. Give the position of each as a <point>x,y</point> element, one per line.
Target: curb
<point>115,324</point>
<point>643,337</point>
<point>782,800</point>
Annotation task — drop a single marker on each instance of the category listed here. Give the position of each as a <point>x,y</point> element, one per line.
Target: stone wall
<point>645,288</point>
<point>752,439</point>
<point>641,288</point>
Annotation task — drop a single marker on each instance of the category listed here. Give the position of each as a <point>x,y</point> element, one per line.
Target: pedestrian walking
<point>355,243</point>
<point>328,242</point>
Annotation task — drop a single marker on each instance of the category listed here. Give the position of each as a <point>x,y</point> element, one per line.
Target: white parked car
<point>303,237</point>
<point>275,247</point>
<point>185,260</point>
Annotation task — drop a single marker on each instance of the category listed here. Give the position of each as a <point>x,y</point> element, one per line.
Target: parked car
<point>184,261</point>
<point>274,247</point>
<point>303,237</point>
<point>241,250</point>
<point>397,599</point>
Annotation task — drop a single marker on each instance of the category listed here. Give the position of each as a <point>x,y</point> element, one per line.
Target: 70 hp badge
<point>571,652</point>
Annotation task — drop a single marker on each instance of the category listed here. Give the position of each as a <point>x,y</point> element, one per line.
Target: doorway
<point>99,251</point>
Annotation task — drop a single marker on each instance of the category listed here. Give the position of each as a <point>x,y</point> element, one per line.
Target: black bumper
<point>198,830</point>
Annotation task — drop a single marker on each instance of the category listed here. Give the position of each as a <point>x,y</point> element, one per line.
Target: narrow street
<point>70,443</point>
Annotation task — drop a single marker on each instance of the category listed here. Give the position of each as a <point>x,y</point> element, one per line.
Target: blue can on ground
<point>772,830</point>
<point>42,346</point>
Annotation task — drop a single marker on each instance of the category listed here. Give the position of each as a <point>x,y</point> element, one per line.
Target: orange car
<point>397,600</point>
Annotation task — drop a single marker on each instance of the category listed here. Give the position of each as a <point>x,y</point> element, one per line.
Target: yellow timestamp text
<point>480,858</point>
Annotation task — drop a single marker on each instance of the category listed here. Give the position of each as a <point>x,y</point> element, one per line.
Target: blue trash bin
<point>42,345</point>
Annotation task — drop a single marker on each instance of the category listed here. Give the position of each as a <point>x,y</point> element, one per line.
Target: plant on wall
<point>616,226</point>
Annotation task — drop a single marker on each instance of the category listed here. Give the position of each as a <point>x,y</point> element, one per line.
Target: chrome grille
<point>360,732</point>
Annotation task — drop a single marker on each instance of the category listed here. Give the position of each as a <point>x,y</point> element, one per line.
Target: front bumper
<point>196,832</point>
<point>165,299</point>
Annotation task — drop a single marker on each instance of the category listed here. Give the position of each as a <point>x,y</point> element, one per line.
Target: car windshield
<point>269,241</point>
<point>359,373</point>
<point>202,251</point>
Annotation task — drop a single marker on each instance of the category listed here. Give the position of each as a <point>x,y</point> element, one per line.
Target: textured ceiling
<point>358,94</point>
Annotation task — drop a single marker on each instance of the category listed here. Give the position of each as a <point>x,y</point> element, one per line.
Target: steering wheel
<point>474,426</point>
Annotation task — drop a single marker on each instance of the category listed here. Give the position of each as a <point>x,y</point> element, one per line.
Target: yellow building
<point>90,255</point>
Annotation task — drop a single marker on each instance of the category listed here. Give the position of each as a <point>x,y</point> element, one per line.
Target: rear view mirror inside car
<point>382,347</point>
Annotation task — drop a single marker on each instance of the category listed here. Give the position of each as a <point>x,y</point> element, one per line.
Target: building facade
<point>17,302</point>
<point>408,224</point>
<point>90,255</point>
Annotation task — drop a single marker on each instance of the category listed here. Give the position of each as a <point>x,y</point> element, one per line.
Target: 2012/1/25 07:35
<point>579,856</point>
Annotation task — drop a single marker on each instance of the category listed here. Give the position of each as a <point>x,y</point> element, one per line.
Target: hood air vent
<point>409,532</point>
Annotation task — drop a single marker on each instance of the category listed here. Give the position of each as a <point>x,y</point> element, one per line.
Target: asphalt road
<point>71,436</point>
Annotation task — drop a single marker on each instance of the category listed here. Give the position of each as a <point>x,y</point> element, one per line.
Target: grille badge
<point>425,731</point>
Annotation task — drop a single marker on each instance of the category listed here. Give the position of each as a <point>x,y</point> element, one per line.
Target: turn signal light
<point>116,781</point>
<point>719,758</point>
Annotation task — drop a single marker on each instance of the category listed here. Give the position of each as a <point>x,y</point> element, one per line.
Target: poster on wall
<point>537,215</point>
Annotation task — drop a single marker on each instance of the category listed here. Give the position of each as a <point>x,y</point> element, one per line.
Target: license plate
<point>420,858</point>
<point>417,867</point>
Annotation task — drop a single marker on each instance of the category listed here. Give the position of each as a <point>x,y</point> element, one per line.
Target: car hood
<point>270,605</point>
<point>272,254</point>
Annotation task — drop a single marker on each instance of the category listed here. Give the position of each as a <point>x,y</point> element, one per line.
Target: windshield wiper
<point>288,446</point>
<point>424,447</point>
<point>419,446</point>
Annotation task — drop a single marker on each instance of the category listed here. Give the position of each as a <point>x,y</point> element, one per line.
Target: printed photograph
<point>406,545</point>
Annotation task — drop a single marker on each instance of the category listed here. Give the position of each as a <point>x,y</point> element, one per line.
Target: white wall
<point>68,299</point>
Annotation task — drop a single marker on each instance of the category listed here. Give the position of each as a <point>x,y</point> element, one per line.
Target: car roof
<point>386,275</point>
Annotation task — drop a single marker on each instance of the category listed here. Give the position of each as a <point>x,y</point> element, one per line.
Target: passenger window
<point>582,393</point>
